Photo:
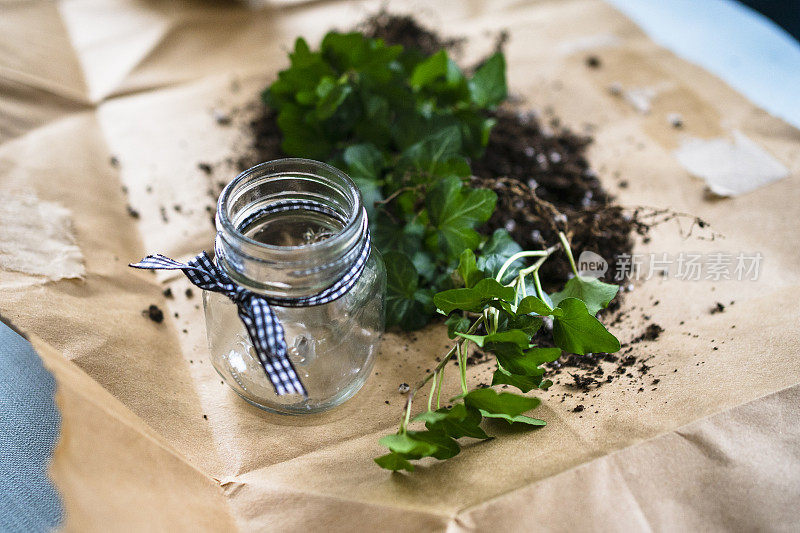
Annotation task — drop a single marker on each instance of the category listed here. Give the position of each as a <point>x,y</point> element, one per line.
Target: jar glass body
<point>332,346</point>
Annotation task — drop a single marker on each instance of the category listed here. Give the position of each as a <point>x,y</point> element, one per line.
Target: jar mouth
<point>292,167</point>
<point>252,207</point>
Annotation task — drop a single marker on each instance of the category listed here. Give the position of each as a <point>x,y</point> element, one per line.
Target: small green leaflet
<point>488,86</point>
<point>454,211</point>
<point>455,422</point>
<point>516,419</point>
<point>456,324</point>
<point>468,269</point>
<point>532,304</point>
<point>406,304</point>
<point>429,70</point>
<point>418,444</point>
<point>394,461</point>
<point>494,253</point>
<point>504,403</point>
<point>593,292</point>
<point>472,299</point>
<point>520,381</point>
<point>577,331</point>
<point>514,336</point>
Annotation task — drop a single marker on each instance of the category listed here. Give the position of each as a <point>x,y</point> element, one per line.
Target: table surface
<point>745,49</point>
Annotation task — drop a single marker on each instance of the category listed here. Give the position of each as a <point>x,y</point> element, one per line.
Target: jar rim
<point>273,167</point>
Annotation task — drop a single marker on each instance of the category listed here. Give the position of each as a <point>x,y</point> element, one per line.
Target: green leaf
<point>577,331</point>
<point>408,445</point>
<point>520,381</point>
<point>472,299</point>
<point>444,446</point>
<point>406,304</point>
<point>331,95</point>
<point>594,293</point>
<point>363,161</point>
<point>394,461</point>
<point>532,304</point>
<point>300,139</point>
<point>543,355</point>
<point>455,422</point>
<point>491,403</point>
<point>497,250</point>
<point>454,211</point>
<point>468,269</point>
<point>518,419</point>
<point>457,323</point>
<point>344,50</point>
<point>429,70</point>
<point>437,154</point>
<point>514,336</point>
<point>488,85</point>
<point>523,362</point>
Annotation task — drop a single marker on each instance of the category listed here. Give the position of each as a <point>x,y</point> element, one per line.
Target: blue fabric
<point>29,424</point>
<point>748,51</point>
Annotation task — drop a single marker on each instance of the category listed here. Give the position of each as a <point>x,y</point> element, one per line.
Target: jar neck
<point>292,263</point>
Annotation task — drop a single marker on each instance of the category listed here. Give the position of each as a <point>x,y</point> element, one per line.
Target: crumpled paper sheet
<point>152,439</point>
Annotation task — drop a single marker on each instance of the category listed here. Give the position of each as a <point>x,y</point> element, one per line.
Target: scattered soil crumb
<point>155,314</point>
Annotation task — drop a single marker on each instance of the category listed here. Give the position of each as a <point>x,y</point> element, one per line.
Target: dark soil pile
<point>545,185</point>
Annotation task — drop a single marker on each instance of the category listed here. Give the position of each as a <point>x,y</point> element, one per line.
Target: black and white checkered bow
<point>263,326</point>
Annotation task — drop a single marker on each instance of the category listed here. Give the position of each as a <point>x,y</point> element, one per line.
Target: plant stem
<point>568,250</point>
<point>538,285</point>
<point>433,391</point>
<point>462,364</point>
<point>438,370</point>
<point>517,256</point>
<point>439,389</point>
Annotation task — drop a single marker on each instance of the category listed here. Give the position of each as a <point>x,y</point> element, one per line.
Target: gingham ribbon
<point>263,326</point>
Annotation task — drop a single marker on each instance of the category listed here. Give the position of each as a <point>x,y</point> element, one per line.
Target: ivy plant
<point>404,126</point>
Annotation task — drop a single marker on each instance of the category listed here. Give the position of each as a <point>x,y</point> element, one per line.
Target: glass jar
<point>293,254</point>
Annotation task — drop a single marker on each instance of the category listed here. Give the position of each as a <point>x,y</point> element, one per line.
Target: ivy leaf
<point>522,382</point>
<point>522,362</point>
<point>543,355</point>
<point>516,419</point>
<point>454,210</point>
<point>456,324</point>
<point>488,85</point>
<point>504,405</point>
<point>514,336</point>
<point>444,447</point>
<point>406,304</point>
<point>391,237</point>
<point>468,269</point>
<point>299,138</point>
<point>331,94</point>
<point>437,155</point>
<point>577,331</point>
<point>344,50</point>
<point>489,402</point>
<point>429,70</point>
<point>409,446</point>
<point>363,161</point>
<point>532,304</point>
<point>455,422</point>
<point>497,250</point>
<point>593,292</point>
<point>394,461</point>
<point>472,299</point>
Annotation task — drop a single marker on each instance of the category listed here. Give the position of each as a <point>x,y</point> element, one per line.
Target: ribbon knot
<point>262,324</point>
